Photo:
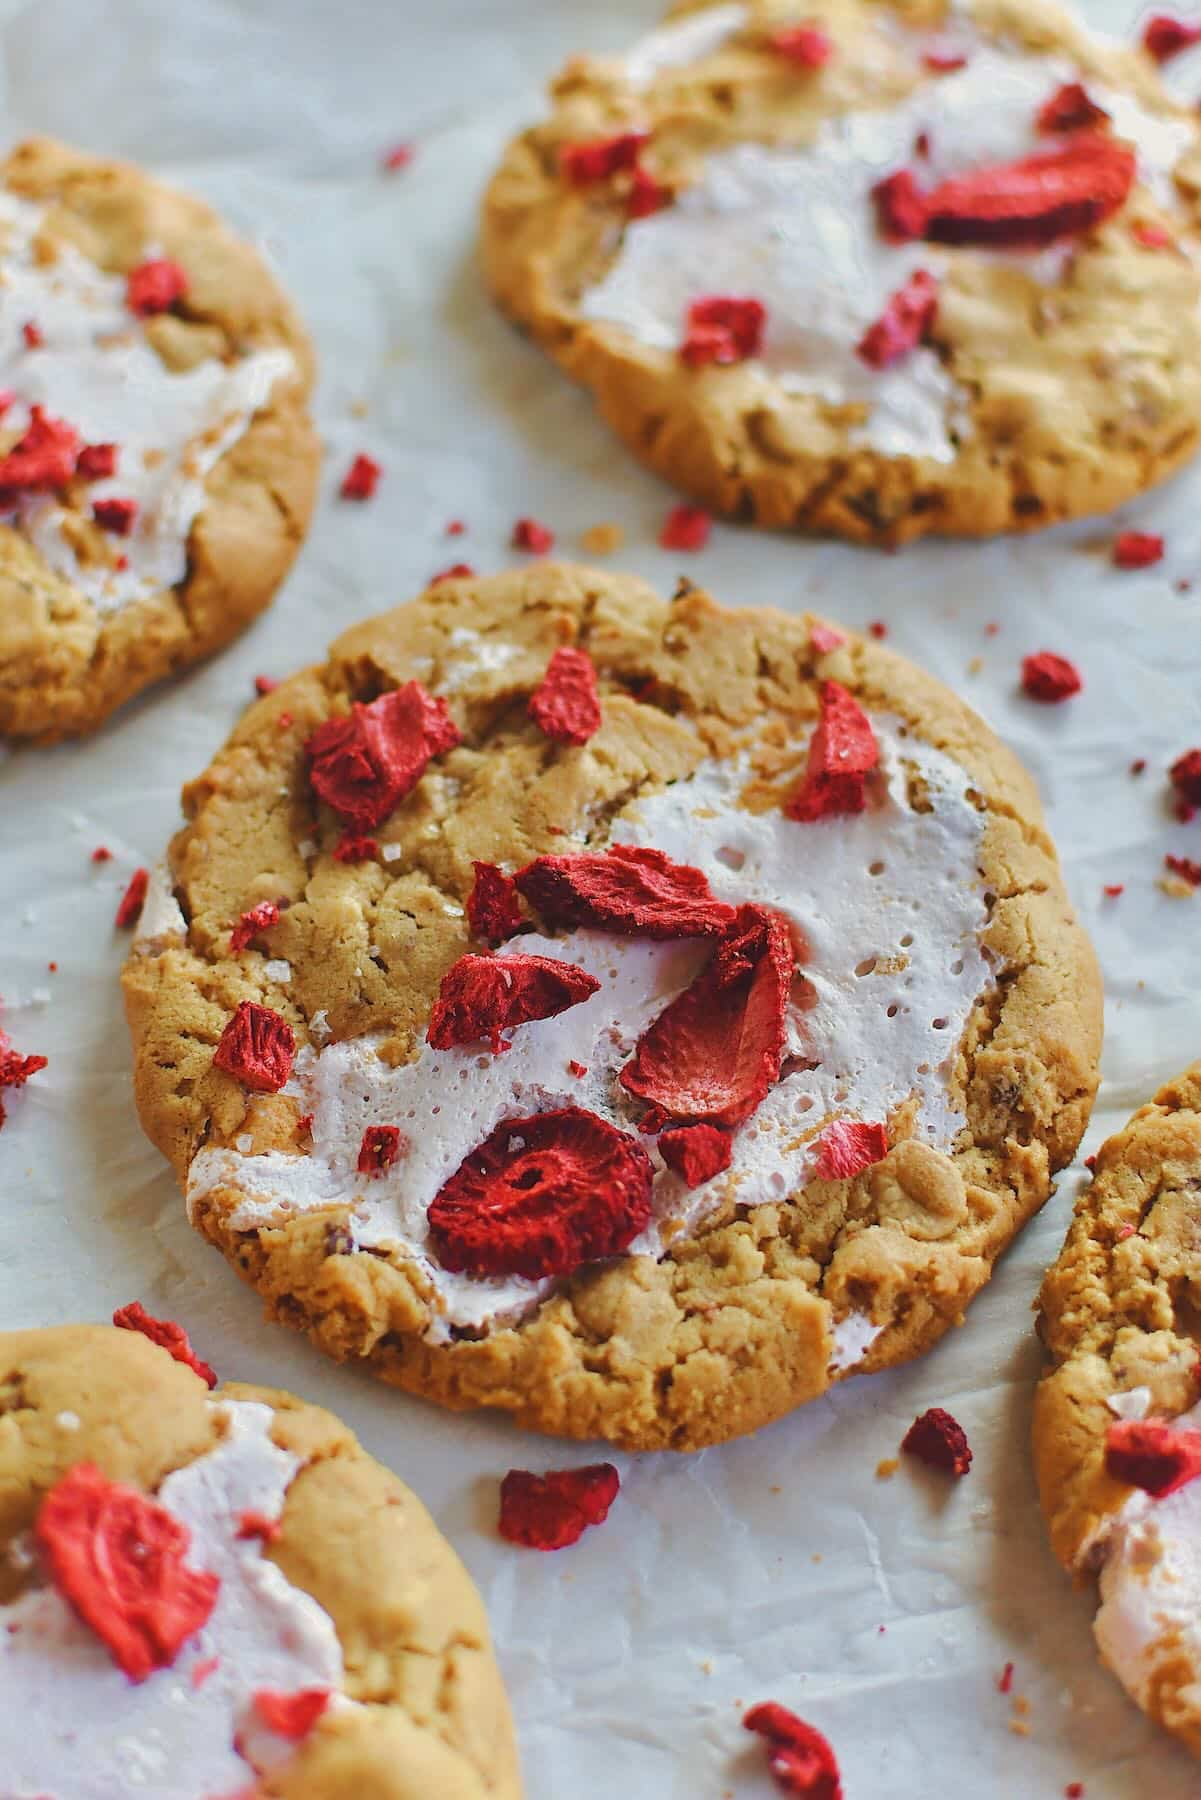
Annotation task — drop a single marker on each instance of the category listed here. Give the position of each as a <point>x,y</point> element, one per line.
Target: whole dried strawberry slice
<point>493,910</point>
<point>635,891</point>
<point>564,705</point>
<point>118,1557</point>
<point>365,763</point>
<point>1023,205</point>
<point>599,158</point>
<point>543,1196</point>
<point>905,322</point>
<point>482,996</point>
<point>42,461</point>
<point>842,754</point>
<point>848,1145</point>
<point>723,329</point>
<point>1071,108</point>
<point>713,1053</point>
<point>548,1512</point>
<point>799,1757</point>
<point>165,1332</point>
<point>938,1439</point>
<point>1151,1455</point>
<point>695,1152</point>
<point>257,1048</point>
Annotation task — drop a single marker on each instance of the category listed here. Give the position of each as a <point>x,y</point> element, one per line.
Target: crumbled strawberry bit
<point>1090,1163</point>
<point>42,461</point>
<point>637,892</point>
<point>118,1558</point>
<point>600,158</point>
<point>397,158</point>
<point>7,396</point>
<point>842,754</point>
<point>202,1670</point>
<point>155,286</point>
<point>1152,237</point>
<point>1185,776</point>
<point>15,1069</point>
<point>459,571</point>
<point>1165,36</point>
<point>1005,1679</point>
<point>543,1196</point>
<point>291,1715</point>
<point>1137,550</point>
<point>257,1525</point>
<point>1151,1455</point>
<point>166,1333</point>
<point>365,762</point>
<point>53,967</point>
<point>1071,108</point>
<point>255,919</point>
<point>1074,1791</point>
<point>132,900</point>
<point>712,1053</point>
<point>900,208</point>
<point>565,704</point>
<point>481,997</point>
<point>943,59</point>
<point>382,1146</point>
<point>117,516</point>
<point>799,1757</point>
<point>265,684</point>
<point>939,1440</point>
<point>257,1048</point>
<point>905,322</point>
<point>1018,206</point>
<point>361,479</point>
<point>455,528</point>
<point>1138,766</point>
<point>877,629</point>
<point>722,329</point>
<point>686,528</point>
<point>548,1512</point>
<point>355,847</point>
<point>824,638</point>
<point>695,1152</point>
<point>578,1069</point>
<point>32,333</point>
<point>1050,678</point>
<point>96,462</point>
<point>529,535</point>
<point>1185,868</point>
<point>284,721</point>
<point>493,911</point>
<point>848,1146</point>
<point>1112,889</point>
<point>102,854</point>
<point>805,45</point>
<point>646,195</point>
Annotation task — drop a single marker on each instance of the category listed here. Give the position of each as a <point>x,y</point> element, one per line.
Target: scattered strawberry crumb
<point>455,528</point>
<point>877,628</point>
<point>992,628</point>
<point>102,854</point>
<point>131,900</point>
<point>1187,871</point>
<point>1090,1163</point>
<point>529,535</point>
<point>1124,1232</point>
<point>1137,550</point>
<point>257,1525</point>
<point>53,968</point>
<point>265,684</point>
<point>1050,678</point>
<point>1005,1679</point>
<point>886,1468</point>
<point>456,572</point>
<point>1151,237</point>
<point>1112,889</point>
<point>33,335</point>
<point>1074,1791</point>
<point>361,479</point>
<point>1138,765</point>
<point>202,1670</point>
<point>602,540</point>
<point>397,158</point>
<point>578,1069</point>
<point>284,721</point>
<point>685,528</point>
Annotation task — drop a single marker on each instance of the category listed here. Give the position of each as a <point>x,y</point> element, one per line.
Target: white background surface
<point>773,1568</point>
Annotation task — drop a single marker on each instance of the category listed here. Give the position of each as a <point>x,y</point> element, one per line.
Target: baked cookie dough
<point>945,1009</point>
<point>1121,1316</point>
<point>153,504</point>
<point>732,156</point>
<point>336,1593</point>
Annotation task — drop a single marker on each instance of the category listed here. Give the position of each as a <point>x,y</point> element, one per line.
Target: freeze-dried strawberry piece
<point>493,911</point>
<point>799,1757</point>
<point>635,891</point>
<point>1023,205</point>
<point>1185,776</point>
<point>155,286</point>
<point>1050,678</point>
<point>900,207</point>
<point>255,919</point>
<point>355,847</point>
<point>291,1715</point>
<point>1184,867</point>
<point>529,535</point>
<point>723,329</point>
<point>397,158</point>
<point>132,900</point>
<point>482,996</point>
<point>165,1332</point>
<point>565,704</point>
<point>646,195</point>
<point>364,763</point>
<point>117,516</point>
<point>1165,37</point>
<point>714,1051</point>
<point>361,479</point>
<point>31,331</point>
<point>548,1512</point>
<point>848,1145</point>
<point>456,572</point>
<point>806,45</point>
<point>265,684</point>
<point>1149,1454</point>
<point>599,158</point>
<point>1151,237</point>
<point>253,1524</point>
<point>685,528</point>
<point>96,462</point>
<point>42,461</point>
<point>382,1145</point>
<point>695,1152</point>
<point>257,1048</point>
<point>15,1069</point>
<point>824,638</point>
<point>905,321</point>
<point>118,1558</point>
<point>1137,549</point>
<point>939,1440</point>
<point>1070,108</point>
<point>842,754</point>
<point>943,59</point>
<point>543,1196</point>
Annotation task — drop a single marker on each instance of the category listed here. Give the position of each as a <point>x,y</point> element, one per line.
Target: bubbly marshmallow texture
<point>891,906</point>
<point>97,371</point>
<point>796,230</point>
<point>73,1727</point>
<point>1151,1587</point>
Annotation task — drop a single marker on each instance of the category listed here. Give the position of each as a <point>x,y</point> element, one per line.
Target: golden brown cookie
<point>932,1064</point>
<point>312,1576</point>
<point>1028,349</point>
<point>153,504</point>
<point>1117,1422</point>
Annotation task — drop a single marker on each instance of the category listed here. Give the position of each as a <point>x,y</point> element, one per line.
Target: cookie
<point>695,234</point>
<point>800,1021</point>
<point>1117,1421</point>
<point>157,462</point>
<point>199,1589</point>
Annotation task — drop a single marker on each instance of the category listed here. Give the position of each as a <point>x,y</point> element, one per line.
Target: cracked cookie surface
<point>1050,384</point>
<point>205,403</point>
<point>939,914</point>
<point>403,1623</point>
<point>1121,1317</point>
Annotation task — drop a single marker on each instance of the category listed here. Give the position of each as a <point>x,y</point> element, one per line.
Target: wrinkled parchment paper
<point>780,1566</point>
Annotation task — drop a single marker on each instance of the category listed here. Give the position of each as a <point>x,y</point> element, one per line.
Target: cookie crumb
<point>887,1467</point>
<point>602,540</point>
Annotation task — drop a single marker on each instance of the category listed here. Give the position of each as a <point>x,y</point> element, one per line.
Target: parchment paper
<point>778,1567</point>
